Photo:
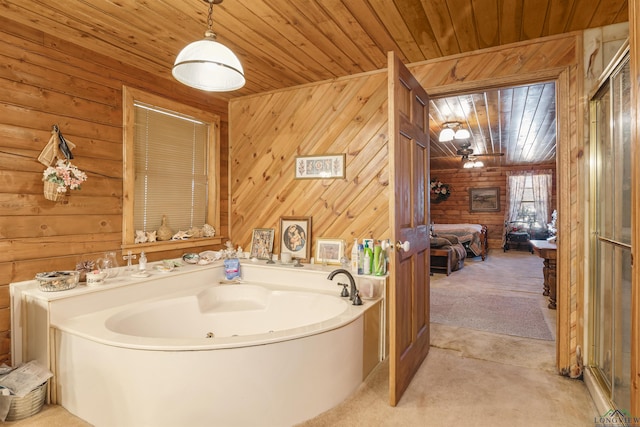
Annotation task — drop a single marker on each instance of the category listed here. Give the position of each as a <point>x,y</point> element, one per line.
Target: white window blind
<point>170,152</point>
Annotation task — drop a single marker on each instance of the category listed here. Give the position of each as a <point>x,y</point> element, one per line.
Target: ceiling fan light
<point>468,164</point>
<point>446,135</point>
<point>462,134</point>
<point>478,164</point>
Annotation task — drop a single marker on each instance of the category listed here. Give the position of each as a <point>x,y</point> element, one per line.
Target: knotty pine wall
<point>46,81</point>
<point>268,131</point>
<point>349,116</point>
<point>456,208</point>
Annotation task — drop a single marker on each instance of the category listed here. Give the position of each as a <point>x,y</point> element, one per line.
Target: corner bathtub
<point>210,355</point>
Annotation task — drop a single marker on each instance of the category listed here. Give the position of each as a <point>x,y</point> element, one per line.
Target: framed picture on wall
<point>484,199</point>
<point>319,167</point>
<point>262,243</point>
<point>295,237</point>
<point>329,251</point>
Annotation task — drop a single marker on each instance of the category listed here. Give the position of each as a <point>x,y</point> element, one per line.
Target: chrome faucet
<point>354,295</point>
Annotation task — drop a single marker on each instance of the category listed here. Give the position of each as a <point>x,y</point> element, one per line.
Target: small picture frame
<point>295,237</point>
<point>484,199</point>
<point>262,243</point>
<point>329,251</point>
<point>320,167</point>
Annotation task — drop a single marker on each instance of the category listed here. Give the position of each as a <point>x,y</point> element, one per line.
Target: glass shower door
<point>611,277</point>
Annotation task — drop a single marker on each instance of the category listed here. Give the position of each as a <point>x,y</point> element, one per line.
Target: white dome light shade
<point>462,134</point>
<point>210,66</point>
<point>446,135</point>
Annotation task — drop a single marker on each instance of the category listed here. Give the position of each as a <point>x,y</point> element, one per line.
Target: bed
<point>472,236</point>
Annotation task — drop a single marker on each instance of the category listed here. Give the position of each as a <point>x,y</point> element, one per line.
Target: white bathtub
<point>199,354</point>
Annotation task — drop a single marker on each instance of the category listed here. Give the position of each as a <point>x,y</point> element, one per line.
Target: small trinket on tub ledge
<point>83,267</point>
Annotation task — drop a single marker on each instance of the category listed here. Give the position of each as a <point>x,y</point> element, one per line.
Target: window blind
<point>170,152</point>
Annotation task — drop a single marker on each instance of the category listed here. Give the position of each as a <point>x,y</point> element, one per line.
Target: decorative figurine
<point>141,237</point>
<point>208,231</point>
<point>164,232</point>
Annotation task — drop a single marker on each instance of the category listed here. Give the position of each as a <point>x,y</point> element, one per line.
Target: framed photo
<point>262,243</point>
<point>320,167</point>
<point>329,251</point>
<point>484,199</point>
<point>295,237</point>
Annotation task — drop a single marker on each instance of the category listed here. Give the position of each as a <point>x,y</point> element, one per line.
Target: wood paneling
<point>45,81</point>
<point>283,43</point>
<point>267,133</point>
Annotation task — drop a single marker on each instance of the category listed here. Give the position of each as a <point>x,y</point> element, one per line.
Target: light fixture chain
<point>210,18</point>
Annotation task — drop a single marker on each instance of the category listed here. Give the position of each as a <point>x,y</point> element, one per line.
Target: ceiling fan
<point>465,151</point>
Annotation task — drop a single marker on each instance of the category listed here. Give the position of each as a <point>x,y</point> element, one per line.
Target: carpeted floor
<point>502,295</point>
<point>510,315</point>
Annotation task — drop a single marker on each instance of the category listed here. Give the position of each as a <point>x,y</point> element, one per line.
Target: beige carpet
<point>510,315</point>
<point>478,379</point>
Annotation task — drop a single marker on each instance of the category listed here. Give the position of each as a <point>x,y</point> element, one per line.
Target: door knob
<point>403,246</point>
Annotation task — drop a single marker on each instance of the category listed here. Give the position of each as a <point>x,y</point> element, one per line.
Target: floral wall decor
<point>439,191</point>
<point>60,177</point>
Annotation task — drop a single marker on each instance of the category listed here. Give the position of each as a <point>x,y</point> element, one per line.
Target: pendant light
<point>208,65</point>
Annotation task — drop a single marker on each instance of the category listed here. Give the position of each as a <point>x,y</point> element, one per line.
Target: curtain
<point>515,192</point>
<point>541,196</point>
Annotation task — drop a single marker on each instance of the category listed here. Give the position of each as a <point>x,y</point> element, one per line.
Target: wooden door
<point>409,216</point>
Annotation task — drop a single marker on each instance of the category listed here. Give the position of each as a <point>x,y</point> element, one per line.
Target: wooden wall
<point>45,81</point>
<point>268,131</point>
<point>456,208</point>
<point>349,116</point>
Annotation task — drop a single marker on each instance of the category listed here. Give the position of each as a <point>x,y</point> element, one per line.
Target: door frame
<point>565,110</point>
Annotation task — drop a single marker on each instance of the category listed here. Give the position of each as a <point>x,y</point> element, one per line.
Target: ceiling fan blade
<point>489,155</point>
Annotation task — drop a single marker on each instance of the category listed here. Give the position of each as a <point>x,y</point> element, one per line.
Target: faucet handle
<point>345,292</point>
<point>356,298</point>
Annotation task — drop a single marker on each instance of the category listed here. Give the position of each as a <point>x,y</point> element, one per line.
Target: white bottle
<point>142,262</point>
<point>354,257</point>
<point>367,262</point>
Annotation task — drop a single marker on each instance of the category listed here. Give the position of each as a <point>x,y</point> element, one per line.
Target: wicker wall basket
<point>31,404</point>
<point>51,192</point>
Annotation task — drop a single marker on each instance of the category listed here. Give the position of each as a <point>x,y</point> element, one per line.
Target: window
<point>527,212</point>
<point>529,199</point>
<point>171,165</point>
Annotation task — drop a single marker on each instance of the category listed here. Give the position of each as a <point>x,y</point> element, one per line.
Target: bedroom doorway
<point>506,280</point>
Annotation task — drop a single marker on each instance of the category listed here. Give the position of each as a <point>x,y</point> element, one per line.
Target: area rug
<point>508,315</point>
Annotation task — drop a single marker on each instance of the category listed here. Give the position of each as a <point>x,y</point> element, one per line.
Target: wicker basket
<point>51,192</point>
<point>31,404</point>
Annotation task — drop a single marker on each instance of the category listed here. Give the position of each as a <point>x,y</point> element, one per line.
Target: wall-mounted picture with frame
<point>484,199</point>
<point>262,243</point>
<point>320,167</point>
<point>295,236</point>
<point>329,251</point>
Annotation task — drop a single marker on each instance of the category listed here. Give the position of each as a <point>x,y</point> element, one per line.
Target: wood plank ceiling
<point>284,43</point>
